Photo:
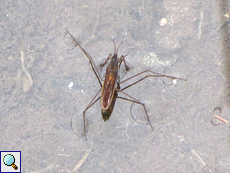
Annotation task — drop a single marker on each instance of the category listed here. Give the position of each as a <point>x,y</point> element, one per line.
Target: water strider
<point>111,85</point>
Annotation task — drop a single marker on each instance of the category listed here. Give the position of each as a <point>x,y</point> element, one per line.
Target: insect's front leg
<point>122,59</point>
<point>109,57</point>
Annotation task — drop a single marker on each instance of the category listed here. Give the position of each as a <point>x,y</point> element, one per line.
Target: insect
<point>111,85</point>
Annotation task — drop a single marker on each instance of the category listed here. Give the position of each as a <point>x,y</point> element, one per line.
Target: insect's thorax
<point>112,71</point>
<point>113,65</point>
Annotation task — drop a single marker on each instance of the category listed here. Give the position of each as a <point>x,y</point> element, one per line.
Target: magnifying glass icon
<point>9,160</point>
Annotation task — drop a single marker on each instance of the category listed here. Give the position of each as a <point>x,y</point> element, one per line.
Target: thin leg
<point>89,105</point>
<point>157,75</point>
<point>95,70</point>
<point>122,59</point>
<point>160,75</point>
<point>138,102</point>
<point>109,57</point>
<point>139,81</point>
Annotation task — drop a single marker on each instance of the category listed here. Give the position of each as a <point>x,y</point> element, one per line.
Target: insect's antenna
<point>119,46</point>
<point>114,46</point>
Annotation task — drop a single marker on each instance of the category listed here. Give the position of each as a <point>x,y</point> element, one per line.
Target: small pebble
<point>70,85</point>
<point>163,22</point>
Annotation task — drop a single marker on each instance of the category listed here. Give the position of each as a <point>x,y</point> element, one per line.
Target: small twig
<point>218,117</point>
<point>221,119</point>
<point>83,159</point>
<point>198,157</point>
<point>24,69</point>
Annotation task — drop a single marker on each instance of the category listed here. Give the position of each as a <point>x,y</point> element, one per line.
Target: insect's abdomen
<point>106,113</point>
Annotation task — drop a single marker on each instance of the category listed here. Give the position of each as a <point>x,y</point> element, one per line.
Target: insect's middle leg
<point>154,74</point>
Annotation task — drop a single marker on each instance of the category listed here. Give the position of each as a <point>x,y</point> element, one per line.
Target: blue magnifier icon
<point>9,160</point>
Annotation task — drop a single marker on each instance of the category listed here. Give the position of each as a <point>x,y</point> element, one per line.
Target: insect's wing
<point>108,90</point>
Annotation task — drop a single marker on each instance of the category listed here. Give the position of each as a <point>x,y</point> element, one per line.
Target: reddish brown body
<point>109,93</point>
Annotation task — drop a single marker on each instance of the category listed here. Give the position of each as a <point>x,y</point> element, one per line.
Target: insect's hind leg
<point>137,102</point>
<point>92,102</point>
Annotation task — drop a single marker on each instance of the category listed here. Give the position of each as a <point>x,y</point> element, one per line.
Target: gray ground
<point>35,118</point>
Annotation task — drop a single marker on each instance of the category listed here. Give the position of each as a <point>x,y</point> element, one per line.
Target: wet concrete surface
<point>35,119</point>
